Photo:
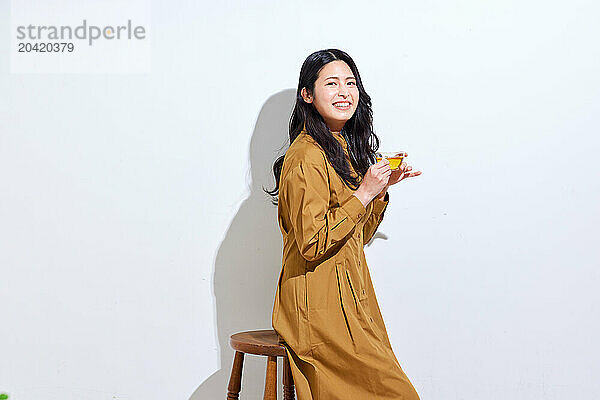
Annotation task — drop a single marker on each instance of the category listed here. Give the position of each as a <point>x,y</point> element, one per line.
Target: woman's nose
<point>343,91</point>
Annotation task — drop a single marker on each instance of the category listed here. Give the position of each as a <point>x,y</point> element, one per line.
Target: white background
<point>135,238</point>
<point>117,55</point>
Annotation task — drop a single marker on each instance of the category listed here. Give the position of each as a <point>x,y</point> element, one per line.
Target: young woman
<point>331,198</point>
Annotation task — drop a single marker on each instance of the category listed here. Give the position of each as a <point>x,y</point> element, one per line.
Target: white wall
<point>134,237</point>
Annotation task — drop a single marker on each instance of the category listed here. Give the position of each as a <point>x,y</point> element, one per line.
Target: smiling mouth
<point>342,105</point>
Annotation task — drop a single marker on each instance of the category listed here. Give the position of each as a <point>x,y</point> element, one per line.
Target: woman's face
<point>335,96</point>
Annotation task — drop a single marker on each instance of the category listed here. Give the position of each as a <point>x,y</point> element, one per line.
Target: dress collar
<point>340,138</point>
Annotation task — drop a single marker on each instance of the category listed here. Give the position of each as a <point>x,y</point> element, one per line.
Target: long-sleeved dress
<point>325,308</point>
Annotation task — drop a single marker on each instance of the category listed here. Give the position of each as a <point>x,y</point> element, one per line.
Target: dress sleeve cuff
<point>354,208</point>
<point>380,205</point>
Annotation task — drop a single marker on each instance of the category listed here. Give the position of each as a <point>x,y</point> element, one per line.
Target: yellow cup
<point>395,158</point>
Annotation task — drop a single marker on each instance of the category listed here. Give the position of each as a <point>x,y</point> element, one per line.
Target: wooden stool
<point>262,343</point>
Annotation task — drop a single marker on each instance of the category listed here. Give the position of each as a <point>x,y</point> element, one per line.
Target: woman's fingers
<point>384,167</point>
<point>407,174</point>
<point>382,163</point>
<point>382,171</point>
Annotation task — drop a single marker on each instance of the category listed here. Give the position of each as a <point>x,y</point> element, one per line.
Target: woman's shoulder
<point>304,150</point>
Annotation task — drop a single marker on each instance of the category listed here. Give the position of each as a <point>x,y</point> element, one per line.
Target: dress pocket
<point>345,304</point>
<point>361,301</point>
<point>358,289</point>
<point>352,289</point>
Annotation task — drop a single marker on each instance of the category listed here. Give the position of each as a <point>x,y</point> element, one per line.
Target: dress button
<point>363,292</point>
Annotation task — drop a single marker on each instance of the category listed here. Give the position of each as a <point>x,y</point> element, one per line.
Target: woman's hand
<point>374,181</point>
<point>402,172</point>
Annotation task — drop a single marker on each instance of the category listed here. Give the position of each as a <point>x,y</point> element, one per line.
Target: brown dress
<point>325,307</point>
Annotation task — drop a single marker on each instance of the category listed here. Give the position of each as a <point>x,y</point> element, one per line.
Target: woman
<point>331,199</point>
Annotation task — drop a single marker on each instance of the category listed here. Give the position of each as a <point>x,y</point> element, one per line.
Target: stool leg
<point>271,379</point>
<point>288,381</point>
<point>235,381</point>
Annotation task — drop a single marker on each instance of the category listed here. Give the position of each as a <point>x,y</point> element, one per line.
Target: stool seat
<point>264,342</point>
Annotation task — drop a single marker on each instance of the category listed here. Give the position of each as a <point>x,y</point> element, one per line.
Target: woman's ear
<point>307,97</point>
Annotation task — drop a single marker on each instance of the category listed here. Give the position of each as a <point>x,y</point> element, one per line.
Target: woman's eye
<point>331,83</point>
<point>351,83</point>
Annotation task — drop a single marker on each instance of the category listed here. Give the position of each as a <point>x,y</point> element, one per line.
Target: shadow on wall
<point>248,261</point>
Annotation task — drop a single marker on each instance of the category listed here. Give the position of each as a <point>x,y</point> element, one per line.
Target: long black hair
<point>357,131</point>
